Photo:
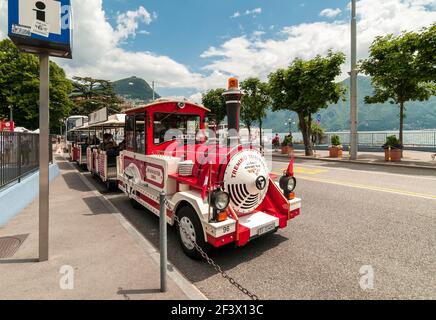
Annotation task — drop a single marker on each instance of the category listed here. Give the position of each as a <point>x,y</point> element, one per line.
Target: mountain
<point>134,88</point>
<point>372,117</point>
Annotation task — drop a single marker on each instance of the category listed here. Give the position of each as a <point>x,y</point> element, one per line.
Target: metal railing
<point>19,156</point>
<point>377,139</point>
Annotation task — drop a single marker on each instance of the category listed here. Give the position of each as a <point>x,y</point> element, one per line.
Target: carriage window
<point>171,126</point>
<point>140,133</point>
<point>130,132</point>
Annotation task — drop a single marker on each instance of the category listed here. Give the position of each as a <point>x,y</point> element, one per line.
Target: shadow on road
<point>227,257</point>
<point>366,167</point>
<point>73,181</point>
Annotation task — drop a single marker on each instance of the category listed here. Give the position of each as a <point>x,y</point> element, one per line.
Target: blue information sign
<point>41,26</point>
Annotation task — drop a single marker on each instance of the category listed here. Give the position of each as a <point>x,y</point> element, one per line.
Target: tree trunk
<point>401,121</point>
<point>249,135</point>
<point>401,125</point>
<point>306,134</point>
<point>260,133</point>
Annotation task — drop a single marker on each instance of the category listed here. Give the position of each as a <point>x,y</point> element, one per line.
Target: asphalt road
<point>352,216</point>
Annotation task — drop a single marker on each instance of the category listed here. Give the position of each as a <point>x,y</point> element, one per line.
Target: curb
<point>359,162</point>
<point>188,288</point>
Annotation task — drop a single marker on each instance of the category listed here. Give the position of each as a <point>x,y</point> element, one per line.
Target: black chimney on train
<point>233,102</point>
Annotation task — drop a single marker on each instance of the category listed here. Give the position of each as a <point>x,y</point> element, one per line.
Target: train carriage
<point>217,194</point>
<point>102,162</point>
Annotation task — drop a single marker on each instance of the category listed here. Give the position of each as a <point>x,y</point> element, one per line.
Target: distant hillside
<point>376,117</point>
<point>134,88</point>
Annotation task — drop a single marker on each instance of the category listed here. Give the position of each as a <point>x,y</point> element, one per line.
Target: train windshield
<point>172,126</point>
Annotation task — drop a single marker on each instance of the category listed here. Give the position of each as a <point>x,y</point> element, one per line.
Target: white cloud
<point>196,97</point>
<point>128,22</point>
<point>3,18</point>
<point>244,57</point>
<point>236,15</point>
<point>254,12</point>
<point>98,52</point>
<point>330,13</point>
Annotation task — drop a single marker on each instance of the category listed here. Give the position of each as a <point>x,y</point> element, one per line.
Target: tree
<point>305,87</point>
<point>19,88</point>
<point>426,54</point>
<point>215,102</point>
<point>91,94</point>
<point>254,103</point>
<point>399,69</point>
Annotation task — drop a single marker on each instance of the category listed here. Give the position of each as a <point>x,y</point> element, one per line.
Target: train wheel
<point>189,221</point>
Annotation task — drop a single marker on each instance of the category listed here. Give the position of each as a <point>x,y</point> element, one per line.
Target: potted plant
<point>287,145</point>
<point>335,150</point>
<point>393,149</point>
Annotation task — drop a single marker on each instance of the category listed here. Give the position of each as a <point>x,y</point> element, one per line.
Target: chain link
<point>209,260</point>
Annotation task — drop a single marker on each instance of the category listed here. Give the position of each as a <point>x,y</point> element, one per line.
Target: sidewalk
<point>110,260</point>
<point>415,159</point>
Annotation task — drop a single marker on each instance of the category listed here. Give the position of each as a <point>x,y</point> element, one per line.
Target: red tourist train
<point>222,193</point>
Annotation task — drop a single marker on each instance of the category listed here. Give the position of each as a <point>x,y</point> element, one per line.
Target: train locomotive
<point>217,193</point>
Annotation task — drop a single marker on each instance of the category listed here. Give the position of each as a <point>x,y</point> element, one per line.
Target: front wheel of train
<point>190,222</point>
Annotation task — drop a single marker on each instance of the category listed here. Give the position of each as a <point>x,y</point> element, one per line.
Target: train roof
<point>116,120</point>
<point>164,101</point>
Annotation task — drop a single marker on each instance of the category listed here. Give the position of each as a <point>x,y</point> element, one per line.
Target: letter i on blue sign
<point>40,11</point>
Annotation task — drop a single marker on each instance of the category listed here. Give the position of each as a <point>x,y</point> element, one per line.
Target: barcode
<point>21,30</point>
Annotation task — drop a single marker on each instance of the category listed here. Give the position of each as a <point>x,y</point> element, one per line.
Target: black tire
<point>109,186</point>
<point>191,215</point>
<point>135,204</point>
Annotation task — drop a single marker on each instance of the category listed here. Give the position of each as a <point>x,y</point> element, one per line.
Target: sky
<point>190,46</point>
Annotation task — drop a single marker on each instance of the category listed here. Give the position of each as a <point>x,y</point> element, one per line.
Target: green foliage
<point>92,94</point>
<point>215,101</point>
<point>287,141</point>
<point>254,103</point>
<point>19,87</point>
<point>372,117</point>
<point>317,133</point>
<point>426,54</point>
<point>135,89</point>
<point>306,87</point>
<point>392,142</point>
<point>335,140</point>
<point>399,70</point>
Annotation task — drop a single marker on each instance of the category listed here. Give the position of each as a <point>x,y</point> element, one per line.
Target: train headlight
<point>288,184</point>
<point>220,200</point>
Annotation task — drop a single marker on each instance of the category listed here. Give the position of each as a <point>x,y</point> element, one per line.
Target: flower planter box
<point>287,150</point>
<point>393,155</point>
<point>335,152</point>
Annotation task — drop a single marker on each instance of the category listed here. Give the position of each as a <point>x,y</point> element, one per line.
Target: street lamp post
<point>11,110</point>
<point>353,84</point>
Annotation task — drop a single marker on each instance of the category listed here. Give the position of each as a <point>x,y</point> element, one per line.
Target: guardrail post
<point>434,139</point>
<point>19,156</point>
<point>163,242</point>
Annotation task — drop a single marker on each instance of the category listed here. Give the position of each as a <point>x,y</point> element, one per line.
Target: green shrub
<point>392,142</point>
<point>287,141</point>
<point>336,141</point>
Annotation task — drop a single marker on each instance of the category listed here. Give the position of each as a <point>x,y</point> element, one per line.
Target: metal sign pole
<point>44,156</point>
<point>353,85</point>
<point>163,243</point>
